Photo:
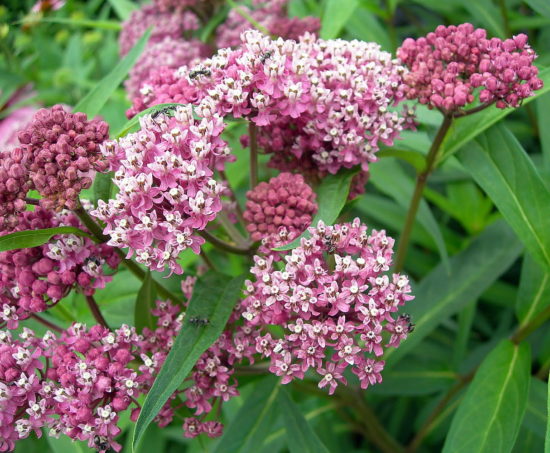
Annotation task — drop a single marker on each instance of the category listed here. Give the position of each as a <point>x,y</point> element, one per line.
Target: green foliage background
<point>473,375</point>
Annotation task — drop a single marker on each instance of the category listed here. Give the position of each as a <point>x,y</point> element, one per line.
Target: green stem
<point>233,197</point>
<point>96,312</point>
<point>427,426</point>
<point>222,245</point>
<point>525,330</point>
<point>252,132</point>
<point>96,230</point>
<point>208,261</point>
<point>45,322</point>
<point>231,230</point>
<point>421,180</point>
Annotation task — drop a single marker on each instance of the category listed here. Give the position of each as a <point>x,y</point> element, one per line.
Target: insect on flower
<point>198,72</point>
<point>101,443</point>
<point>198,322</point>
<point>264,57</point>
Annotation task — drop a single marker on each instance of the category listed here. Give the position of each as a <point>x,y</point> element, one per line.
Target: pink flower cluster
<point>164,24</point>
<point>321,105</point>
<point>449,65</point>
<point>14,185</point>
<point>167,53</point>
<point>286,203</point>
<point>34,279</point>
<point>335,301</point>
<point>63,154</point>
<point>167,193</point>
<point>90,376</point>
<point>271,15</point>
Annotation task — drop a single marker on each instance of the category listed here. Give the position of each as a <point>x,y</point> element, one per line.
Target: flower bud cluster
<point>14,185</point>
<point>166,189</point>
<point>36,278</point>
<point>335,301</point>
<point>286,203</point>
<point>449,65</point>
<point>63,154</point>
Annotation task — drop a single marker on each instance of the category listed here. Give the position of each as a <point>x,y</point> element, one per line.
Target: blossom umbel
<point>63,154</point>
<point>285,202</point>
<point>36,278</point>
<point>449,65</point>
<point>167,193</point>
<point>335,301</point>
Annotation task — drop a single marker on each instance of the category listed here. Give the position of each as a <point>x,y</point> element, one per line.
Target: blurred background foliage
<point>464,312</point>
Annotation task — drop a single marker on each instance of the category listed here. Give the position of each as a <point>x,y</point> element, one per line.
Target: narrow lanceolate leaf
<point>34,238</point>
<point>401,189</point>
<point>490,415</point>
<point>535,414</point>
<point>473,270</point>
<point>335,16</point>
<point>505,172</point>
<point>249,428</point>
<point>92,103</point>
<point>145,302</point>
<point>214,297</point>
<point>131,125</point>
<point>534,291</point>
<point>123,8</point>
<point>540,6</point>
<point>543,113</point>
<point>466,129</point>
<point>331,198</point>
<point>547,438</point>
<point>102,187</point>
<point>300,436</point>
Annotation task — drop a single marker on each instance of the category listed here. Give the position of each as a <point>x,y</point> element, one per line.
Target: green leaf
<point>214,297</point>
<point>365,26</point>
<point>87,23</point>
<point>300,436</point>
<point>534,291</point>
<point>332,195</point>
<point>467,128</point>
<point>92,103</point>
<point>102,187</point>
<point>505,172</point>
<point>209,29</point>
<point>66,445</point>
<point>401,189</point>
<point>123,8</point>
<point>543,113</point>
<point>535,414</point>
<point>487,13</point>
<point>540,6</point>
<point>473,270</point>
<point>131,125</point>
<point>145,302</point>
<point>247,431</point>
<point>34,238</point>
<point>416,159</point>
<point>335,16</point>
<point>489,417</point>
<point>547,438</point>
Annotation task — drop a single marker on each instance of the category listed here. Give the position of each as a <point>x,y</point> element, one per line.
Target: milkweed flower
<point>319,105</point>
<point>36,278</point>
<point>336,302</point>
<point>167,53</point>
<point>449,66</point>
<point>63,154</point>
<point>286,203</point>
<point>167,192</point>
<point>164,24</point>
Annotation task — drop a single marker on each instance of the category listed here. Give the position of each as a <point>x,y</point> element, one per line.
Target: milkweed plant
<point>274,226</point>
